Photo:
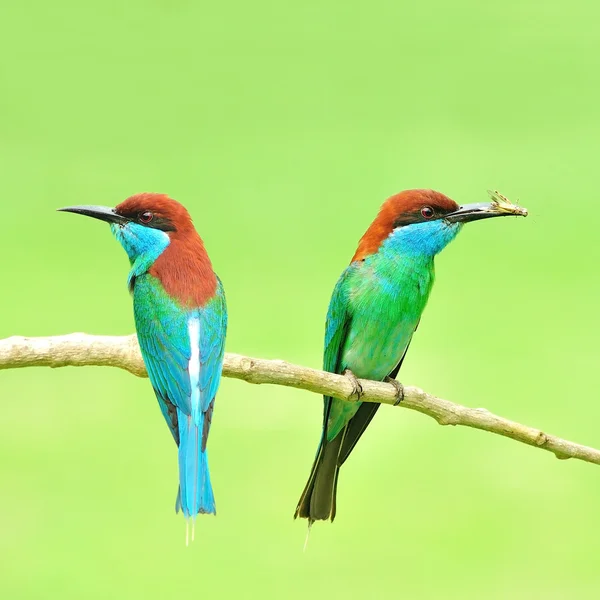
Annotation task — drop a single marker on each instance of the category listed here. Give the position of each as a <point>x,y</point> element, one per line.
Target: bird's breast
<point>385,306</point>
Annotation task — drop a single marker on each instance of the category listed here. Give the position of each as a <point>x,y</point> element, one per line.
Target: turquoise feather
<point>181,321</point>
<point>185,398</point>
<point>183,352</point>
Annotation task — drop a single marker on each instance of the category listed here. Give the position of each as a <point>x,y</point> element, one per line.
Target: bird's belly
<point>372,350</point>
<point>385,300</point>
<point>385,314</point>
<point>375,347</point>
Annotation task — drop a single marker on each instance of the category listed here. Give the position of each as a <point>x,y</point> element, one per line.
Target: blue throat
<point>142,244</point>
<point>421,240</point>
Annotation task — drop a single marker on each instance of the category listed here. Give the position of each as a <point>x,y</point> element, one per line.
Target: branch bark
<point>80,349</point>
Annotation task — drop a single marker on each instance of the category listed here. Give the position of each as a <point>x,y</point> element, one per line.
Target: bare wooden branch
<point>80,349</point>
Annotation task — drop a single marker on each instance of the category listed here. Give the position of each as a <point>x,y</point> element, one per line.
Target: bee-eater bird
<point>373,313</point>
<point>181,320</point>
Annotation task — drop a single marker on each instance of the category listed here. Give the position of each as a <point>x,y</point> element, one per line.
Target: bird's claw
<point>399,389</point>
<point>357,390</point>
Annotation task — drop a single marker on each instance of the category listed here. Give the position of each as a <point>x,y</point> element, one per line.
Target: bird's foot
<point>399,389</point>
<point>357,390</point>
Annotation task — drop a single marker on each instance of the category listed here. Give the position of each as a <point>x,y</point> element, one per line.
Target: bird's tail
<point>195,491</point>
<point>318,498</point>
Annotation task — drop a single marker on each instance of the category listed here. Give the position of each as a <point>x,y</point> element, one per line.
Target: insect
<point>505,205</point>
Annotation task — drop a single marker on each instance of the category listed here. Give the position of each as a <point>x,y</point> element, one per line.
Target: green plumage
<point>377,308</point>
<point>374,310</point>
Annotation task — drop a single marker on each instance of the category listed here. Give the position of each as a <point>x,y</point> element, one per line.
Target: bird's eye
<point>146,216</point>
<point>427,212</point>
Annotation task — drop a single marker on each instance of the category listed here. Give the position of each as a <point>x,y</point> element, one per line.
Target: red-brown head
<point>420,207</point>
<point>405,208</point>
<point>156,211</point>
<point>159,238</point>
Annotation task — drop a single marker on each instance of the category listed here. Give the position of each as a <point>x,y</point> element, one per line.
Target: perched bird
<point>373,313</point>
<point>181,320</point>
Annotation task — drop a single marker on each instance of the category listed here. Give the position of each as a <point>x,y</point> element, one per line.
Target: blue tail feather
<point>195,493</point>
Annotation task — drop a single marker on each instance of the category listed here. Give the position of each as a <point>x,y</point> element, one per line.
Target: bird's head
<point>423,222</point>
<point>144,223</point>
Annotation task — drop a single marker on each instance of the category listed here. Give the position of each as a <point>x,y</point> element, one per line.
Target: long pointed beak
<point>483,210</point>
<point>104,213</point>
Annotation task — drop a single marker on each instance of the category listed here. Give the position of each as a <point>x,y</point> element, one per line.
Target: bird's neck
<point>420,241</point>
<point>408,253</point>
<point>399,268</point>
<point>143,246</point>
<point>185,271</point>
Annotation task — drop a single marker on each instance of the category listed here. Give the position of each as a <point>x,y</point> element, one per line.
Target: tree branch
<point>80,349</point>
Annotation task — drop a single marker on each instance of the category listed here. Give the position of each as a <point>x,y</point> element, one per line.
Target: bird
<point>373,314</point>
<point>180,317</point>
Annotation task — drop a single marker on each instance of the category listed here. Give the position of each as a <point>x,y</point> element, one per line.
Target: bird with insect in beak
<point>373,313</point>
<point>181,321</point>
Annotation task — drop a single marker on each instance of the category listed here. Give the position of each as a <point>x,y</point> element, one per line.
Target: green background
<point>282,127</point>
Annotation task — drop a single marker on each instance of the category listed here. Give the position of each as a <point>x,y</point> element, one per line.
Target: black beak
<point>104,213</point>
<point>483,210</point>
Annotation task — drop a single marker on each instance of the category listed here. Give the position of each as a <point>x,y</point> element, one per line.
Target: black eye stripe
<point>162,223</point>
<point>155,221</point>
<point>420,215</point>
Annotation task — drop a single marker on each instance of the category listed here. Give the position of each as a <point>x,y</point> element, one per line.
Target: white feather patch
<point>194,366</point>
